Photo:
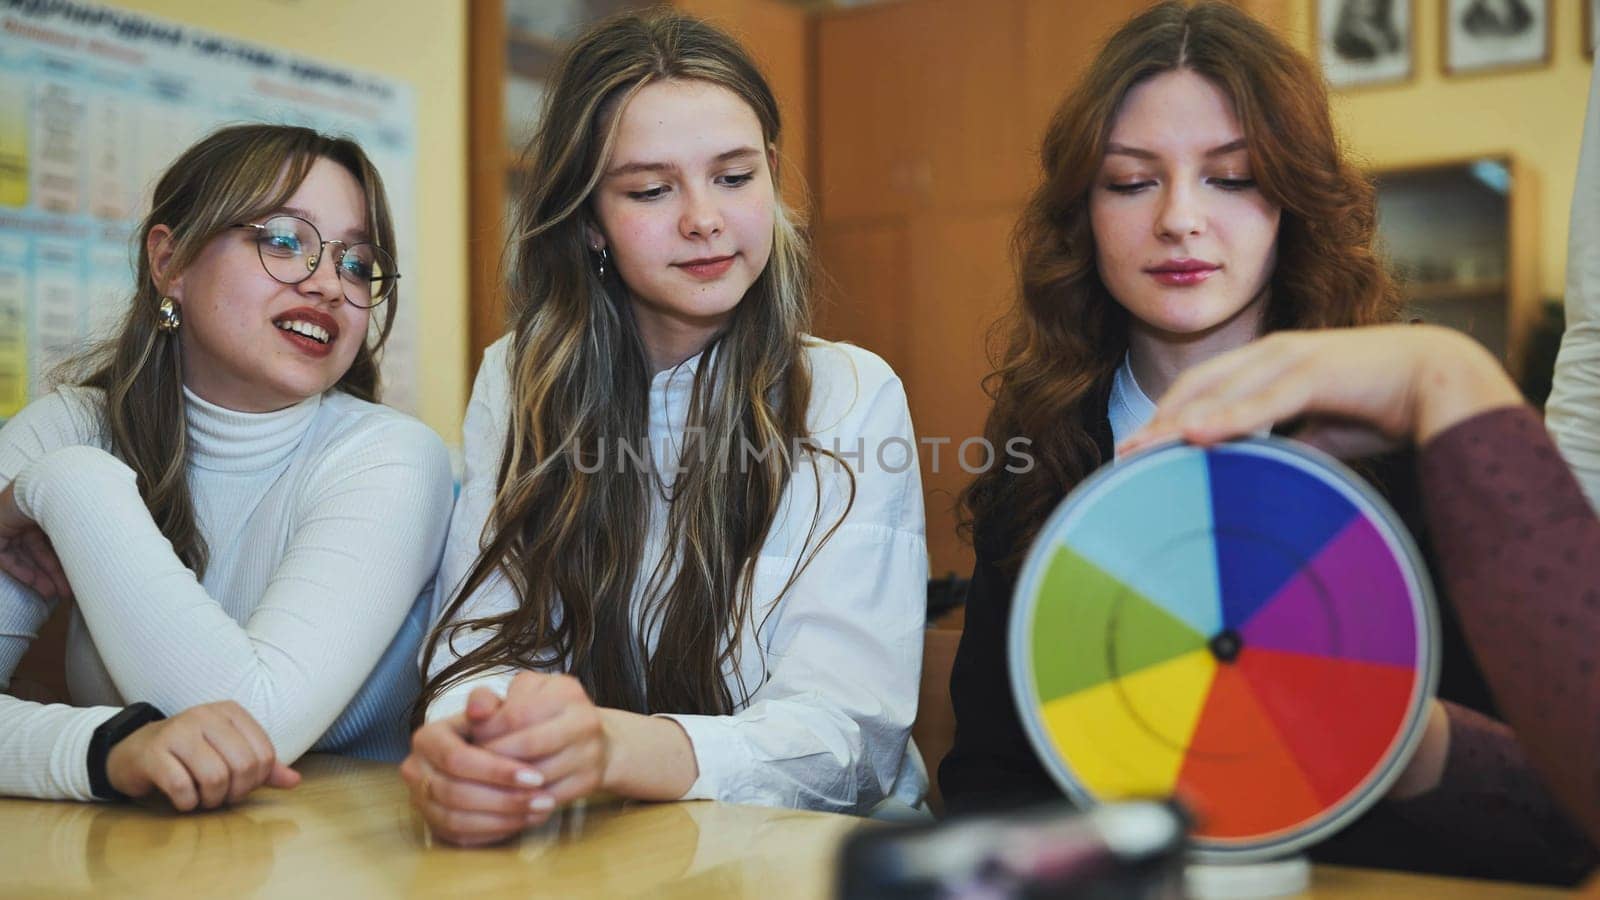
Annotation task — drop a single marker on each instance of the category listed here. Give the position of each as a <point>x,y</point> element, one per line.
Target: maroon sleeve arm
<point>1519,554</point>
<point>1491,808</point>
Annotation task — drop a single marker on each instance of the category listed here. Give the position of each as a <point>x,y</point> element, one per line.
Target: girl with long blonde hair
<point>688,560</point>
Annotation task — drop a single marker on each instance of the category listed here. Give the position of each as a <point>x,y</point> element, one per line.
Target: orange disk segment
<point>1239,777</point>
<point>1338,717</point>
<point>1127,738</point>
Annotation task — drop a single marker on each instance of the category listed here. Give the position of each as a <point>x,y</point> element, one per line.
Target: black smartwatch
<point>108,735</point>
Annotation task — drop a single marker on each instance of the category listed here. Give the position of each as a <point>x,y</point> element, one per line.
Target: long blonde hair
<point>233,175</point>
<point>569,541</point>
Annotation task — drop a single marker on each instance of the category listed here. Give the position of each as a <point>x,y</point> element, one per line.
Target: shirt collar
<point>1129,408</point>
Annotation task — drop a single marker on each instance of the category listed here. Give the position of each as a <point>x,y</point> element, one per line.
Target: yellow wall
<point>1535,115</point>
<point>423,44</point>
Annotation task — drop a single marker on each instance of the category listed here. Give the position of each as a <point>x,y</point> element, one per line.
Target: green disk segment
<point>1089,627</point>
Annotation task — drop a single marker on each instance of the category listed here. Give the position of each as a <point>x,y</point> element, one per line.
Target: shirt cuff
<point>69,753</point>
<point>719,754</point>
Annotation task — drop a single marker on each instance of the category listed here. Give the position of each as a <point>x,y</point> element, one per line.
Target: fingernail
<point>542,803</point>
<point>529,778</point>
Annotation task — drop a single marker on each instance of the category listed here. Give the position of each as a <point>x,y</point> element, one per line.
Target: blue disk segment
<point>1271,519</point>
<point>1152,531</point>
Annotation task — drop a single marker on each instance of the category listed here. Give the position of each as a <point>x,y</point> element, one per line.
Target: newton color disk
<point>1248,627</point>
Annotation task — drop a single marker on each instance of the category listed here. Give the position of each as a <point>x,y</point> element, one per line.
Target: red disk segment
<point>1239,776</point>
<point>1339,718</point>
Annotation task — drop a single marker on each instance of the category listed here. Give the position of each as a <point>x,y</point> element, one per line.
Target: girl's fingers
<point>574,787</point>
<point>44,556</point>
<point>251,732</point>
<point>1204,379</point>
<point>207,768</point>
<point>471,828</point>
<point>544,739</point>
<point>575,759</point>
<point>1256,406</point>
<point>447,752</point>
<point>1222,398</point>
<point>246,768</point>
<point>16,563</point>
<point>467,826</point>
<point>482,703</point>
<point>470,796</point>
<point>282,776</point>
<point>171,777</point>
<point>532,697</point>
<point>239,738</point>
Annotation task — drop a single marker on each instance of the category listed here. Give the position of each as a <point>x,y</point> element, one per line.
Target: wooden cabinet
<point>865,152</point>
<point>916,108</point>
<point>1059,41</point>
<point>961,277</point>
<point>1461,237</point>
<point>861,288</point>
<point>923,292</point>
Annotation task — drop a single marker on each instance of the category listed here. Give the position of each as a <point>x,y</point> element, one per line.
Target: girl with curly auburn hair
<point>1194,198</point>
<point>1071,330</point>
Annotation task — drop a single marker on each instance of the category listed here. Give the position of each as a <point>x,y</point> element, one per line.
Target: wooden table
<point>347,831</point>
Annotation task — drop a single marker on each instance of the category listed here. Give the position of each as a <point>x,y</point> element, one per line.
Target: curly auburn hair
<point>1066,334</point>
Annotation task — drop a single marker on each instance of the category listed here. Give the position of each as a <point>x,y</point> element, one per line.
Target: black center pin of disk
<point>1226,645</point>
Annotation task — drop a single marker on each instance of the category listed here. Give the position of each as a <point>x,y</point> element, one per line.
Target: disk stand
<point>1248,627</point>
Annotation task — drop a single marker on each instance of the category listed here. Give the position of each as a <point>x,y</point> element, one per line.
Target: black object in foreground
<point>1128,851</point>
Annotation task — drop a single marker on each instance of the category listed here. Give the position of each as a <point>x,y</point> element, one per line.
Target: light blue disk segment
<point>1152,530</point>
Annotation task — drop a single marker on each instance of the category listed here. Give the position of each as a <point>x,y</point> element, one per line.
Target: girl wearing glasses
<point>247,538</point>
<point>689,559</point>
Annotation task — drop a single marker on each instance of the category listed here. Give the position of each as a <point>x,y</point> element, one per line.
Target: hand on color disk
<point>1359,390</point>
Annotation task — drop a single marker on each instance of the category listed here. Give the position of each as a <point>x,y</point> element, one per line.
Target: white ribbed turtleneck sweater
<point>324,521</point>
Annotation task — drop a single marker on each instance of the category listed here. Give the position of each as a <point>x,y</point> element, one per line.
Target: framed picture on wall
<point>1365,42</point>
<point>1486,35</point>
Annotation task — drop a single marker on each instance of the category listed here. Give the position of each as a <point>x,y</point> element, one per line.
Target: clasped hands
<point>506,764</point>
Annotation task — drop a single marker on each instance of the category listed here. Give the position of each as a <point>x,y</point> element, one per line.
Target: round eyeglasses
<point>291,248</point>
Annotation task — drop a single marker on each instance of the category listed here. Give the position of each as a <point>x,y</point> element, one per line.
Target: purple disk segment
<point>1270,518</point>
<point>1350,601</point>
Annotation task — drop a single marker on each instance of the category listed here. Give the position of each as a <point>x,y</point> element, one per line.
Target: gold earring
<point>168,315</point>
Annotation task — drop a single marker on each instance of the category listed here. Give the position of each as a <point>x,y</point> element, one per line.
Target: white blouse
<point>324,523</point>
<point>832,671</point>
<point>1573,412</point>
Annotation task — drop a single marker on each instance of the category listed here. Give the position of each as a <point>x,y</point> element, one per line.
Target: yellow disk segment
<point>1129,737</point>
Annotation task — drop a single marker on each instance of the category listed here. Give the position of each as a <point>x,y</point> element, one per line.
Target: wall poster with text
<point>95,102</point>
